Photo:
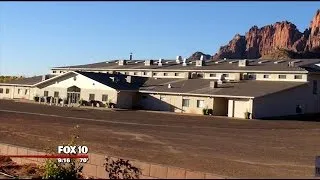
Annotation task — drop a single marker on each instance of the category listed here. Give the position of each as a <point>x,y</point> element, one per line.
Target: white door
<point>240,107</point>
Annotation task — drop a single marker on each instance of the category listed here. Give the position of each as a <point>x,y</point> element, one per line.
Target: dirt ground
<point>226,147</point>
<point>11,168</point>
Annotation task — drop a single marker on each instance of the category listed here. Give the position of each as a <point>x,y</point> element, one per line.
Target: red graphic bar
<point>49,156</point>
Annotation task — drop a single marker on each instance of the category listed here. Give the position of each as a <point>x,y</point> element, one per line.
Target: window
<point>19,91</point>
<point>226,75</point>
<point>165,74</point>
<point>125,73</point>
<point>26,92</point>
<point>144,73</point>
<point>251,76</point>
<point>104,97</point>
<point>213,75</point>
<point>135,73</point>
<point>185,102</point>
<point>298,76</point>
<point>56,94</point>
<point>200,103</point>
<point>176,74</point>
<point>46,93</point>
<point>60,72</point>
<point>75,78</point>
<point>315,86</point>
<point>1,90</point>
<point>91,97</point>
<point>282,76</point>
<point>266,76</point>
<point>7,91</point>
<point>54,72</point>
<point>154,74</point>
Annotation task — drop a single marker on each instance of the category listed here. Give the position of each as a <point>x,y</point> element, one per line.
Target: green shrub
<point>55,170</point>
<point>206,111</point>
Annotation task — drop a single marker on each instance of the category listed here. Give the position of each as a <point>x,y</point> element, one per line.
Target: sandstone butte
<point>281,40</point>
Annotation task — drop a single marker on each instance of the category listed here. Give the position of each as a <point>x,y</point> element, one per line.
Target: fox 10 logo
<point>72,150</point>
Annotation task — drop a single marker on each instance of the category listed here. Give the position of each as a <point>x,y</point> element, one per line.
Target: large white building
<point>264,88</point>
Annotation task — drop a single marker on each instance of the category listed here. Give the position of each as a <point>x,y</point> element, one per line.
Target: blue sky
<point>35,36</point>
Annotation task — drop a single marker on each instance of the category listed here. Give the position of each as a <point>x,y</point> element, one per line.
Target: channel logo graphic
<point>80,152</point>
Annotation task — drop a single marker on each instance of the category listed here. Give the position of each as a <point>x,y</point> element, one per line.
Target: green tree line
<point>4,79</point>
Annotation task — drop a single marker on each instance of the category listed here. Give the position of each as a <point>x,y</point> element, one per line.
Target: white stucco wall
<point>14,92</point>
<point>87,86</point>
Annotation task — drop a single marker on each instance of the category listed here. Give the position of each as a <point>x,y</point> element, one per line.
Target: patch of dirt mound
<point>12,168</point>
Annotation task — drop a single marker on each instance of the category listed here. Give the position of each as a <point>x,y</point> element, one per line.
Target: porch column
<point>230,108</point>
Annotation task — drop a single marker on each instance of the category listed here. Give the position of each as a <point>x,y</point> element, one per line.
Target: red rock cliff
<point>313,42</point>
<point>259,42</point>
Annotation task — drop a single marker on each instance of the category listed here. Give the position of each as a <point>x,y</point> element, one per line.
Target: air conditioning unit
<point>243,63</point>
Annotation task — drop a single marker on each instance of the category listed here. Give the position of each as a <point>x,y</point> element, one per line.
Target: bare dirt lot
<point>226,147</point>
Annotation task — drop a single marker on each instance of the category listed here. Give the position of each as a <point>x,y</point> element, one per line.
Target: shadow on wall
<point>149,102</point>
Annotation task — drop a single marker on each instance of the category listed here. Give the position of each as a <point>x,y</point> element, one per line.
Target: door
<point>73,95</point>
<point>240,107</point>
<point>73,98</point>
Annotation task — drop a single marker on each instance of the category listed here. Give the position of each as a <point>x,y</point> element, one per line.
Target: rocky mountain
<point>281,40</point>
<point>198,54</point>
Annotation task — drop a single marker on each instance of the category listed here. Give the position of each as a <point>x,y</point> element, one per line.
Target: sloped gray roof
<point>248,88</point>
<point>28,81</point>
<point>209,65</point>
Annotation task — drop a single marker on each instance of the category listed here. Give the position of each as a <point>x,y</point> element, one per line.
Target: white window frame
<point>297,75</point>
<point>200,105</point>
<point>106,99</point>
<point>185,100</point>
<point>283,75</point>
<point>94,97</point>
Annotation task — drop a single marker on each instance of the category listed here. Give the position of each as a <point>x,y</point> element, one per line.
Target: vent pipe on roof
<point>184,62</point>
<point>148,62</point>
<point>213,84</point>
<point>44,77</point>
<point>160,62</point>
<point>243,63</point>
<point>201,61</point>
<point>122,62</point>
<point>128,79</point>
<point>130,56</point>
<point>178,59</point>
